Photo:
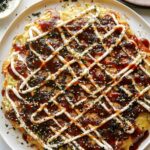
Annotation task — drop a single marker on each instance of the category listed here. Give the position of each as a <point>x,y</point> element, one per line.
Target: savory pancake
<point>79,79</point>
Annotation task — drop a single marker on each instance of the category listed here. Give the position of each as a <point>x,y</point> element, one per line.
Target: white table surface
<point>26,3</point>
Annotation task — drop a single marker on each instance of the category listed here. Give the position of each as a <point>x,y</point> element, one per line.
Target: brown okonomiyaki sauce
<point>48,25</point>
<point>12,117</point>
<point>19,48</point>
<point>12,74</point>
<point>139,138</point>
<point>111,131</point>
<point>3,92</point>
<point>143,44</point>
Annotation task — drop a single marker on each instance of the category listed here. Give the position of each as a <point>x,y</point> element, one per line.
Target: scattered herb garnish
<point>37,14</point>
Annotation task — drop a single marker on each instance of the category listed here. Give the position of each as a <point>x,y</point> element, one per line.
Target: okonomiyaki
<point>79,79</point>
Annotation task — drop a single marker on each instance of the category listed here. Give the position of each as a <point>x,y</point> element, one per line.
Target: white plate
<point>138,25</point>
<point>145,3</point>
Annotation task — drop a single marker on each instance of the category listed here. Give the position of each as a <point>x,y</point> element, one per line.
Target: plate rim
<point>137,4</point>
<point>40,2</point>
